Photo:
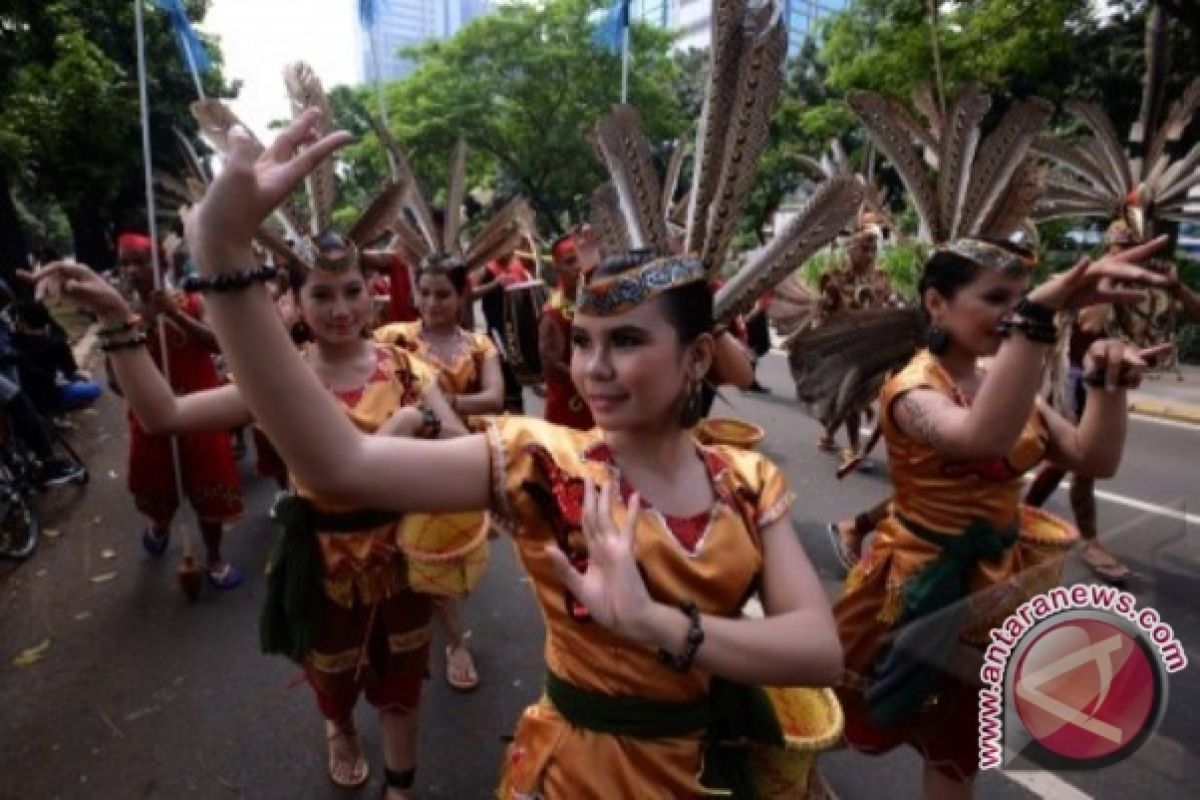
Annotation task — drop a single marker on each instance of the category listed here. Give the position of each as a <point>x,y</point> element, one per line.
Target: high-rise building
<point>692,19</point>
<point>405,23</point>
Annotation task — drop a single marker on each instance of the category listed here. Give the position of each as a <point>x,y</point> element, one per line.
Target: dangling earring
<point>693,406</point>
<point>937,339</point>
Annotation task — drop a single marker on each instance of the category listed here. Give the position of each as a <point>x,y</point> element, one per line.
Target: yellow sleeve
<point>397,333</point>
<point>484,347</point>
<point>775,497</point>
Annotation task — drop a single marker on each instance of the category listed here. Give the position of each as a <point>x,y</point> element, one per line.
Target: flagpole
<point>191,62</point>
<point>625,63</point>
<point>152,228</point>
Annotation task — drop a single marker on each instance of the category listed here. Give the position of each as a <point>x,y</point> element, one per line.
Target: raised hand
<point>611,588</point>
<point>251,185</point>
<point>1114,364</point>
<point>79,284</point>
<point>1090,282</point>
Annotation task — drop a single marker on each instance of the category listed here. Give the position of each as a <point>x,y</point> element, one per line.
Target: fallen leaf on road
<point>112,473</point>
<point>41,573</point>
<point>31,656</point>
<point>82,615</point>
<point>51,533</point>
<point>103,577</point>
<point>108,553</point>
<point>91,412</point>
<point>96,520</point>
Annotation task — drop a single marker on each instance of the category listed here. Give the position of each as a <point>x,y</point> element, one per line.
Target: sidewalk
<point>1167,397</point>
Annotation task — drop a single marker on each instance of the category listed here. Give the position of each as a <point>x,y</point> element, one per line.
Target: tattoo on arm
<point>914,418</point>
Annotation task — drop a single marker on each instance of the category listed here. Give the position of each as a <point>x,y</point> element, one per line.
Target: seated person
<point>45,364</point>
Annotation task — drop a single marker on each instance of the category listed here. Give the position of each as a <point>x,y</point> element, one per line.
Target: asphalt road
<point>140,695</point>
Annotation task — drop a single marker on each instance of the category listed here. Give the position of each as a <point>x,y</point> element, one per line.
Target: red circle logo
<point>1085,689</point>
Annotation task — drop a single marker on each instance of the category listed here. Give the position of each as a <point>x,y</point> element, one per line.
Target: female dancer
<point>641,610</point>
<point>470,377</point>
<point>371,631</point>
<point>959,441</point>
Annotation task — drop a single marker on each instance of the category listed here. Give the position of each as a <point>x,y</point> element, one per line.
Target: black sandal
<point>397,779</point>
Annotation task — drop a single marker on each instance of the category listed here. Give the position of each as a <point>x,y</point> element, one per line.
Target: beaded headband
<point>606,297</point>
<point>986,254</point>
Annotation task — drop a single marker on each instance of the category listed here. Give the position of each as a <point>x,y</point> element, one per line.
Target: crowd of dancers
<point>387,424</point>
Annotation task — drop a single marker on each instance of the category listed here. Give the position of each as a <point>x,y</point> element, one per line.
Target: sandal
<point>343,773</point>
<point>225,576</point>
<point>153,543</point>
<point>400,780</point>
<point>465,678</point>
<point>851,460</point>
<point>826,444</point>
<point>1106,567</point>
<point>847,556</point>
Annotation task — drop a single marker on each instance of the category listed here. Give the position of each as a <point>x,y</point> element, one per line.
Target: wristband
<point>231,281</point>
<point>682,662</point>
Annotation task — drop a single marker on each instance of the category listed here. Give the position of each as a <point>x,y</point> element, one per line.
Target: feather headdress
<point>398,211</point>
<point>745,76</point>
<point>1094,176</point>
<point>962,184</point>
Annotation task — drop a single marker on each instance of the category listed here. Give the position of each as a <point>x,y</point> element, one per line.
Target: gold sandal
<point>343,773</point>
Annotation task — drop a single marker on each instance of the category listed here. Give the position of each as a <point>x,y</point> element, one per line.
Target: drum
<point>446,553</point>
<point>732,432</point>
<point>523,303</point>
<point>811,720</point>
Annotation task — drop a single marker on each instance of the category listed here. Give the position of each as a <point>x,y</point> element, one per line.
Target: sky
<point>260,37</point>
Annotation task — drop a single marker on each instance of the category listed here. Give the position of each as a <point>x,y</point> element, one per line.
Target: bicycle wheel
<point>20,525</point>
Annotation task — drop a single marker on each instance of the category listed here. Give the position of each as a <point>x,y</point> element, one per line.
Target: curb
<point>1180,412</point>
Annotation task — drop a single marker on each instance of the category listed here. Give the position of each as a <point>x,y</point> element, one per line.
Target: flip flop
<point>845,557</point>
<point>346,774</point>
<point>155,545</point>
<point>471,681</point>
<point>827,444</point>
<point>1107,568</point>
<point>226,576</point>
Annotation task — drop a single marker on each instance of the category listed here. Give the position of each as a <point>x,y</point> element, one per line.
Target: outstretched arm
<point>317,441</point>
<point>133,374</point>
<point>1093,448</point>
<point>990,426</point>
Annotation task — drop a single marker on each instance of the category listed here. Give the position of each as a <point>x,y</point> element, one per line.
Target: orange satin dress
<point>945,495</point>
<point>364,569</point>
<point>464,376</point>
<point>538,470</point>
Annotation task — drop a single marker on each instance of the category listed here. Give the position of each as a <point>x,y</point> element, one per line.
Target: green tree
<point>70,131</point>
<point>521,86</point>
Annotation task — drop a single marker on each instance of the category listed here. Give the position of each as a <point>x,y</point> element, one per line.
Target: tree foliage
<point>70,132</point>
<point>521,86</point>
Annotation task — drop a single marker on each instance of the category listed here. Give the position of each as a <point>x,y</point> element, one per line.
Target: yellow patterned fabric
<point>368,567</point>
<point>464,376</point>
<point>538,469</point>
<point>945,495</point>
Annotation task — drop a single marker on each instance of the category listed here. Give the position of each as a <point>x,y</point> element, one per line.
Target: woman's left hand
<point>1113,364</point>
<point>611,587</point>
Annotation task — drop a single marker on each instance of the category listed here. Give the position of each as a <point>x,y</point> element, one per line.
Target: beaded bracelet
<point>231,281</point>
<point>112,346</point>
<point>695,637</point>
<point>431,423</point>
<point>1034,312</point>
<point>1034,331</point>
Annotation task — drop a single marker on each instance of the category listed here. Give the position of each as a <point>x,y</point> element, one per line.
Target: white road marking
<point>1121,500</point>
<point>1046,784</point>
<point>1169,423</point>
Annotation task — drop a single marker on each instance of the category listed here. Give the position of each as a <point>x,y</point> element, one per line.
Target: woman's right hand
<point>251,185</point>
<point>80,284</point>
<point>1090,282</point>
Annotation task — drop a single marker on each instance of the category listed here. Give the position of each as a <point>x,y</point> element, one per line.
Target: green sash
<point>732,714</point>
<point>291,612</point>
<point>931,619</point>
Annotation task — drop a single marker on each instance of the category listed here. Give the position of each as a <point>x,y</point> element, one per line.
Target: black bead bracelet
<point>682,662</point>
<point>129,343</point>
<point>231,281</point>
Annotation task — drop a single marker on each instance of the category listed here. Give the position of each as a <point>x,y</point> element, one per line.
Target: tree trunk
<point>14,245</point>
<point>92,246</point>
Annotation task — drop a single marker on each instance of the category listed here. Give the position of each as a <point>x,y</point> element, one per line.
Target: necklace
<point>447,349</point>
